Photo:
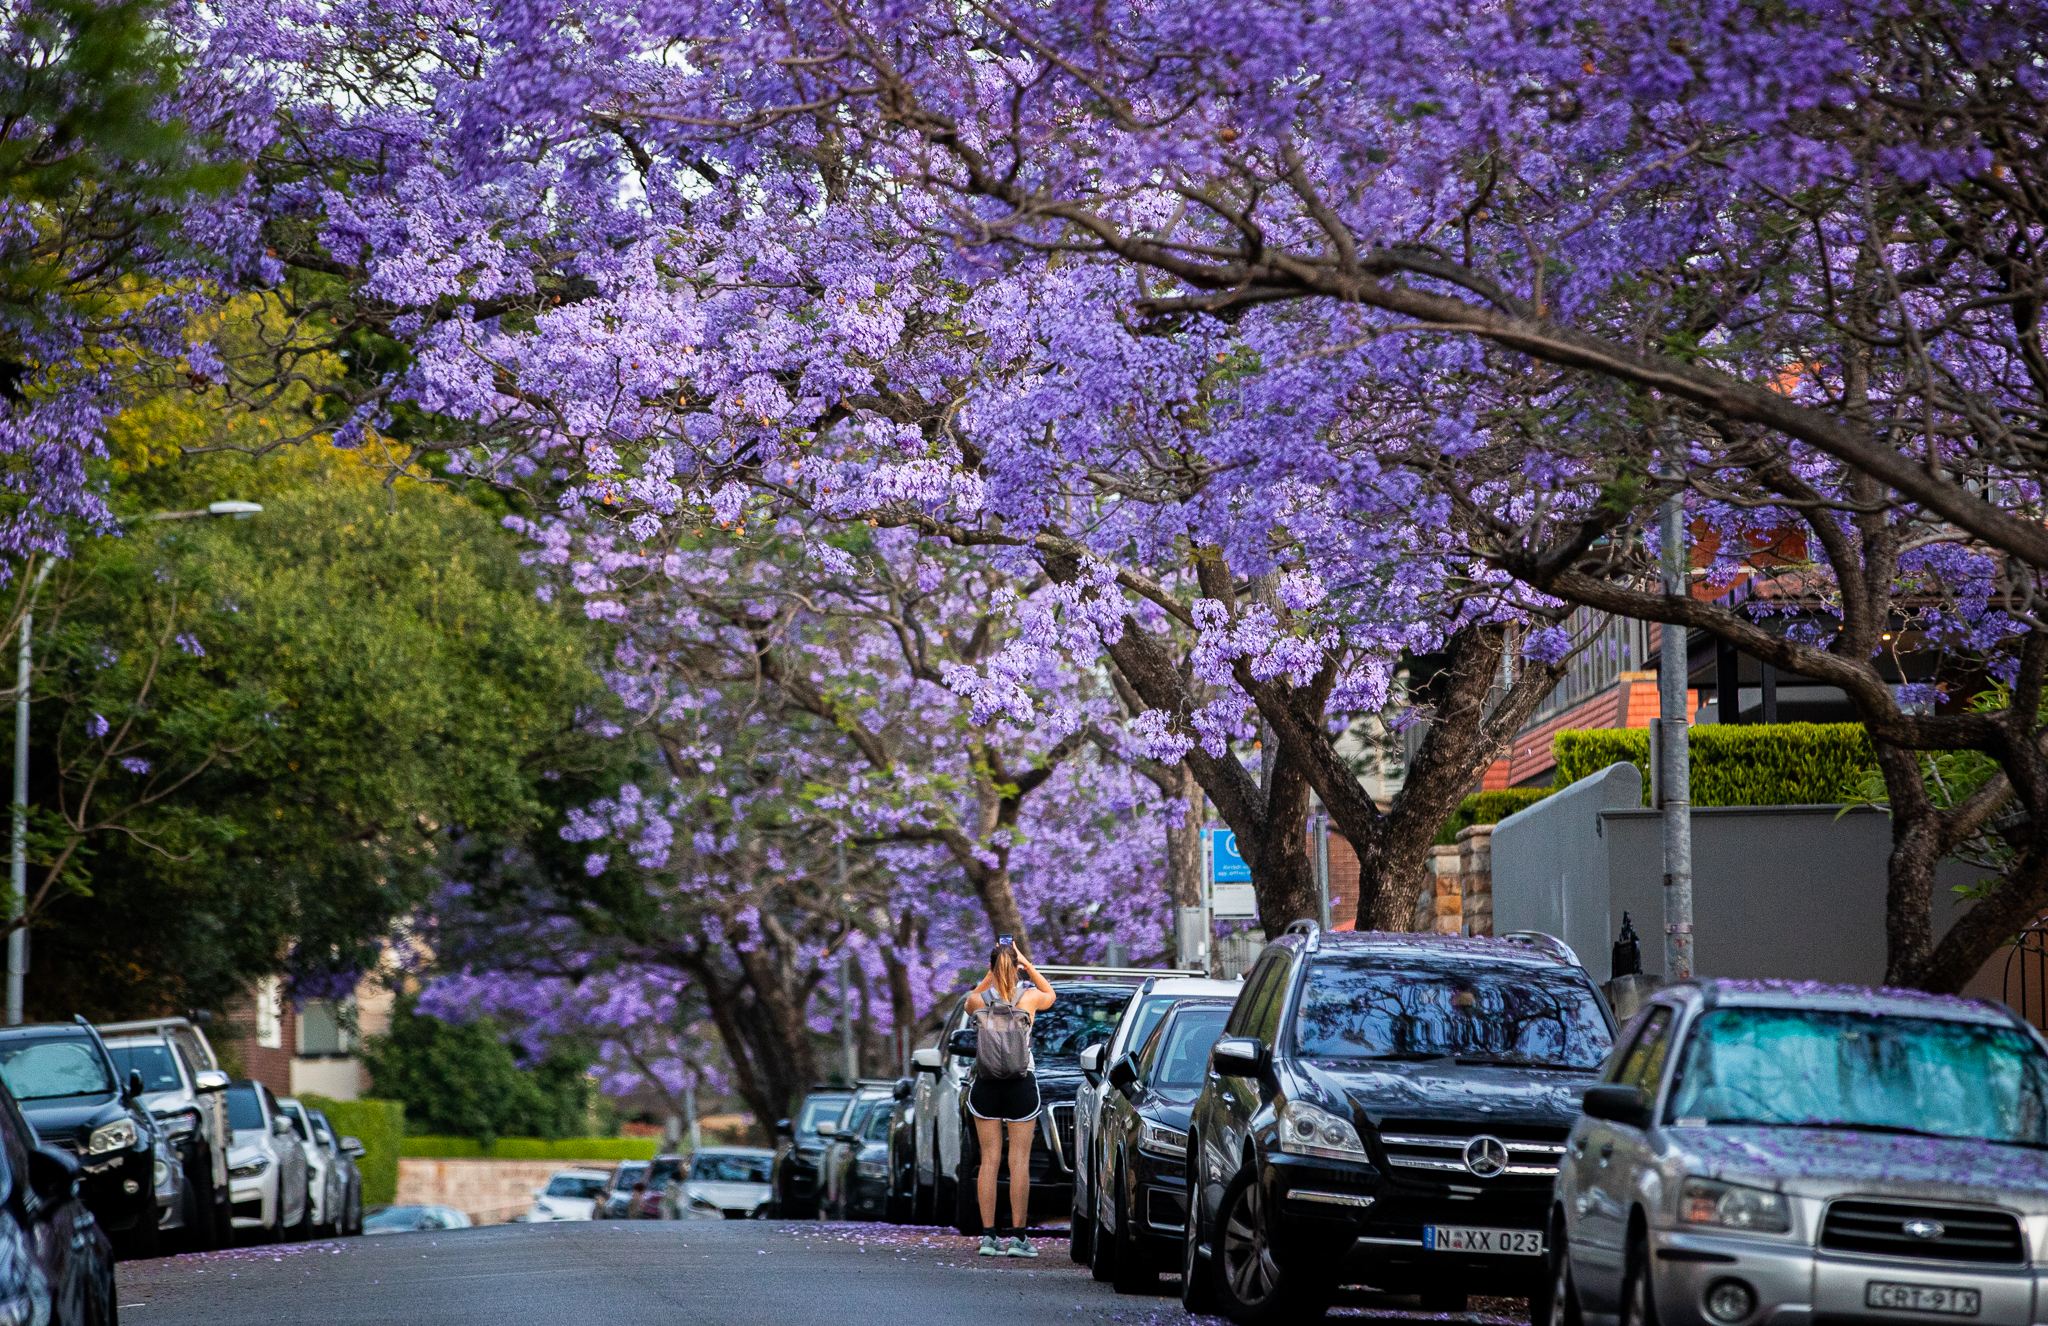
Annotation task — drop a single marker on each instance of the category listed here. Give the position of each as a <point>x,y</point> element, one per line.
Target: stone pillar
<point>1439,880</point>
<point>1475,878</point>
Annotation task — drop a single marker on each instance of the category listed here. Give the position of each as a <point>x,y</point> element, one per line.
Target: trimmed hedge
<point>380,1126</point>
<point>531,1148</point>
<point>1489,808</point>
<point>1737,764</point>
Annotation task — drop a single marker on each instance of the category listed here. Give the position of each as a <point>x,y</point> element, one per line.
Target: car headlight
<point>702,1203</point>
<point>1160,1140</point>
<point>250,1169</point>
<point>181,1124</point>
<point>1733,1206</point>
<point>873,1167</point>
<point>116,1136</point>
<point>1309,1130</point>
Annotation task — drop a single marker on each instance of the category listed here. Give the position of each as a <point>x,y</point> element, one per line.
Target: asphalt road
<point>625,1273</point>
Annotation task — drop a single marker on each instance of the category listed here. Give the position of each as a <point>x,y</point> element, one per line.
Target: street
<point>622,1273</point>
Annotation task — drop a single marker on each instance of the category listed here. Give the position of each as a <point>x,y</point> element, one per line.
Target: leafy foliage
<point>1489,808</point>
<point>1764,764</point>
<point>380,1126</point>
<point>461,1079</point>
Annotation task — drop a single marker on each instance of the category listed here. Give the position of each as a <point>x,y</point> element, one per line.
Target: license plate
<point>1501,1242</point>
<point>1942,1299</point>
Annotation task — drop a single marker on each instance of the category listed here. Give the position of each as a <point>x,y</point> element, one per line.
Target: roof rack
<point>1306,927</point>
<point>1543,943</point>
<point>1055,969</point>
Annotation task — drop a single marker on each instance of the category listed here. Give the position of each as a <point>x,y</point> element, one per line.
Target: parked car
<point>1390,1110</point>
<point>325,1186</point>
<point>56,1264</point>
<point>413,1219</point>
<point>1856,1154</point>
<point>569,1194</point>
<point>800,1146</point>
<point>902,1153</point>
<point>658,1190</point>
<point>857,1162</point>
<point>619,1190</point>
<point>346,1151</point>
<point>267,1170</point>
<point>1091,1000</point>
<point>185,1098</point>
<point>1144,1146</point>
<point>1154,997</point>
<point>843,1142</point>
<point>727,1183</point>
<point>66,1084</point>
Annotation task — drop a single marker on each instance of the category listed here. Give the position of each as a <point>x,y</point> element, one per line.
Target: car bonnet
<point>1827,1162</point>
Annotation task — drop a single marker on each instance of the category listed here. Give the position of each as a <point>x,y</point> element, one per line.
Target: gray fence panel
<point>1550,865</point>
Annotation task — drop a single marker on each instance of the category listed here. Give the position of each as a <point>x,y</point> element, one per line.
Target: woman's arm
<point>1041,995</point>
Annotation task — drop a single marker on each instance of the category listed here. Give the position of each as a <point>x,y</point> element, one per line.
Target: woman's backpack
<point>1002,1039</point>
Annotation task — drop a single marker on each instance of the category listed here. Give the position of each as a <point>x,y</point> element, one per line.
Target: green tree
<point>461,1080</point>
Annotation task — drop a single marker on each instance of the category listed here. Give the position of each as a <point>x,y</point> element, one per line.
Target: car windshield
<point>1145,1017</point>
<point>628,1175</point>
<point>159,1068</point>
<point>1078,1019</point>
<point>863,1110</point>
<point>1184,1059</point>
<point>576,1185</point>
<point>1365,1008</point>
<point>45,1068</point>
<point>879,1123</point>
<point>664,1170</point>
<point>1815,1067</point>
<point>244,1110</point>
<point>819,1109</point>
<point>729,1169</point>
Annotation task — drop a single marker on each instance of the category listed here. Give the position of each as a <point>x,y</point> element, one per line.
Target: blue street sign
<point>1225,865</point>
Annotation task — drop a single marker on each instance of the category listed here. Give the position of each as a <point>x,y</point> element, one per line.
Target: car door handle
<point>1606,1152</point>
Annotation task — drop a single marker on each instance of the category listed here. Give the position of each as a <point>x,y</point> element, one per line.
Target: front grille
<point>1165,1209</point>
<point>1438,1146</point>
<point>1060,1132</point>
<point>1945,1233</point>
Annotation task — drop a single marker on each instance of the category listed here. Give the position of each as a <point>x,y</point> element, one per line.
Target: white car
<point>570,1195</point>
<point>266,1166</point>
<point>727,1183</point>
<point>324,1182</point>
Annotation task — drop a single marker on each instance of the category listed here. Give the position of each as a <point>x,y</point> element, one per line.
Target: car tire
<point>1252,1287</point>
<point>142,1242</point>
<point>1197,1287</point>
<point>1558,1303</point>
<point>1638,1291</point>
<point>1102,1254</point>
<point>967,1196</point>
<point>1080,1239</point>
<point>921,1202</point>
<point>1132,1271</point>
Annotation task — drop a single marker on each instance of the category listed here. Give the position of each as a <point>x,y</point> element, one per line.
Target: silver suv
<point>1769,1152</point>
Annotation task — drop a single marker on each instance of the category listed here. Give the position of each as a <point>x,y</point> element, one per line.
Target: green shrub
<point>380,1126</point>
<point>532,1148</point>
<point>1746,764</point>
<point>1489,808</point>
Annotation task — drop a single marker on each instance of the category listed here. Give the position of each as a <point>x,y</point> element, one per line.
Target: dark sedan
<point>1145,1145</point>
<point>67,1086</point>
<point>857,1162</point>
<point>801,1148</point>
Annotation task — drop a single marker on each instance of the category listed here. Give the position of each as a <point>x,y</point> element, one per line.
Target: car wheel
<point>1638,1298</point>
<point>921,1202</point>
<point>1132,1271</point>
<point>1102,1253</point>
<point>1559,1303</point>
<point>1252,1287</point>
<point>1197,1287</point>
<point>1080,1239</point>
<point>967,1196</point>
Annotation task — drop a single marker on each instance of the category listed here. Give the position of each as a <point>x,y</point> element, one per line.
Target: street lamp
<point>17,905</point>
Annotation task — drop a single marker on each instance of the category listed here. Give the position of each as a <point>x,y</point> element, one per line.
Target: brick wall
<point>269,1064</point>
<point>490,1192</point>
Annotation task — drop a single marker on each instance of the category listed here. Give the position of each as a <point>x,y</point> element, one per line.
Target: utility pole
<point>17,871</point>
<point>846,1051</point>
<point>1674,781</point>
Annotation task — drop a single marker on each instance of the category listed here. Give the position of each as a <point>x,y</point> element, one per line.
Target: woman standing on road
<point>1002,1100</point>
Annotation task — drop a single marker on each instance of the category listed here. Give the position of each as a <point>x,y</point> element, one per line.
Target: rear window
<point>244,1110</point>
<point>575,1185</point>
<point>1529,1017</point>
<point>730,1169</point>
<point>819,1109</point>
<point>46,1068</point>
<point>1078,1019</point>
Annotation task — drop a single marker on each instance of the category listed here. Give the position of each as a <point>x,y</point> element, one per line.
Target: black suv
<point>1390,1110</point>
<point>800,1151</point>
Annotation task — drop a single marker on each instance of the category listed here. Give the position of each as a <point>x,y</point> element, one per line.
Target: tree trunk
<point>1184,840</point>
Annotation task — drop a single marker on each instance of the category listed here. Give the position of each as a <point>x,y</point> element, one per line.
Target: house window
<point>269,1016</point>
<point>323,1027</point>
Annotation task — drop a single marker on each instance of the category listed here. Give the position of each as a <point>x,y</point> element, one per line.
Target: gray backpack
<point>1002,1047</point>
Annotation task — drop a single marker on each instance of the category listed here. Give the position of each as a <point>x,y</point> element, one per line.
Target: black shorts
<point>1011,1099</point>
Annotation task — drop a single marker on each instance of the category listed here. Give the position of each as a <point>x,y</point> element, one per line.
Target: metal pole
<point>690,1113</point>
<point>851,1063</point>
<point>17,874</point>
<point>1323,863</point>
<point>1675,772</point>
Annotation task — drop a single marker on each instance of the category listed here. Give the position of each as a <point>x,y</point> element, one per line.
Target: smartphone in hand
<point>1005,939</point>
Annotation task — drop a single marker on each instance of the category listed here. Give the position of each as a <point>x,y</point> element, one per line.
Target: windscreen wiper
<point>1408,1056</point>
<point>1515,1061</point>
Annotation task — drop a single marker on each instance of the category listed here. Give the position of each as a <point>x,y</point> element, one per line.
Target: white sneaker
<point>989,1247</point>
<point>1021,1247</point>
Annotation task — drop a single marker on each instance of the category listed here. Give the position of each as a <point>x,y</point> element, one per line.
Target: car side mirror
<point>1238,1056</point>
<point>1091,1061</point>
<point>1625,1105</point>
<point>353,1147</point>
<point>783,1128</point>
<point>539,1193</point>
<point>827,1128</point>
<point>905,1086</point>
<point>1123,1074</point>
<point>927,1060</point>
<point>53,1174</point>
<point>281,1126</point>
<point>133,1087</point>
<point>210,1079</point>
<point>966,1042</point>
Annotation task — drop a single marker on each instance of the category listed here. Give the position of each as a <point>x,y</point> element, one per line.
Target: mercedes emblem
<point>1486,1156</point>
<point>1925,1229</point>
